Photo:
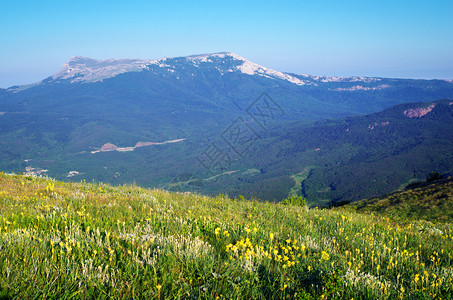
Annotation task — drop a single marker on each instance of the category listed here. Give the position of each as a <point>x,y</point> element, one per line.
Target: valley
<point>349,130</point>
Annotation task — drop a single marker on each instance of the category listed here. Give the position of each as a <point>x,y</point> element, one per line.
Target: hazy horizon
<point>385,39</point>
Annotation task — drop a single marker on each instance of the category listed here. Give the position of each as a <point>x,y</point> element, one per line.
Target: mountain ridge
<point>86,69</point>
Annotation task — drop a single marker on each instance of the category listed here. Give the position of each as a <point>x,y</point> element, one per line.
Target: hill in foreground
<point>92,240</point>
<point>432,201</point>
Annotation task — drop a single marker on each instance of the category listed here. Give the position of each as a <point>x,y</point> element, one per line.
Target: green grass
<point>92,240</point>
<point>430,201</point>
<point>298,179</point>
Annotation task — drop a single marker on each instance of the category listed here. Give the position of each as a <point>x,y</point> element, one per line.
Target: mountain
<point>153,121</point>
<point>221,82</point>
<point>83,69</point>
<point>345,159</point>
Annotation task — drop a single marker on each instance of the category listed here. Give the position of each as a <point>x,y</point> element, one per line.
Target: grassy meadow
<point>427,201</point>
<point>92,240</point>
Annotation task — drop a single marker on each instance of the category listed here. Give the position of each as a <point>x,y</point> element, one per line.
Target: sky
<point>402,39</point>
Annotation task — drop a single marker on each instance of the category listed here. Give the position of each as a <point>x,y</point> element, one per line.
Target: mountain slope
<point>348,159</point>
<point>92,240</point>
<point>432,202</point>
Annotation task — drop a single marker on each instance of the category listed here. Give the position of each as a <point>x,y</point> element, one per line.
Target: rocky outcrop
<point>418,112</point>
<point>111,147</point>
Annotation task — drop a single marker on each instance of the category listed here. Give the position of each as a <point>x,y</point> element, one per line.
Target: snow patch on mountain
<point>84,69</point>
<point>246,67</point>
<point>327,79</point>
<point>209,56</point>
<point>79,69</point>
<point>363,88</point>
<point>253,69</point>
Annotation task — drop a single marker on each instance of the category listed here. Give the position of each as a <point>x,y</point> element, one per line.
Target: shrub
<point>433,176</point>
<point>294,200</point>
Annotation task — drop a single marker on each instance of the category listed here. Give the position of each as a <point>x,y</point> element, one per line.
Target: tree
<point>433,176</point>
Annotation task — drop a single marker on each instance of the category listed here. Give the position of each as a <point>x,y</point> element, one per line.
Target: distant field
<point>298,179</point>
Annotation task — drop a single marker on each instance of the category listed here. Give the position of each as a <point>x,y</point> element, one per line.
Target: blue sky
<point>408,39</point>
